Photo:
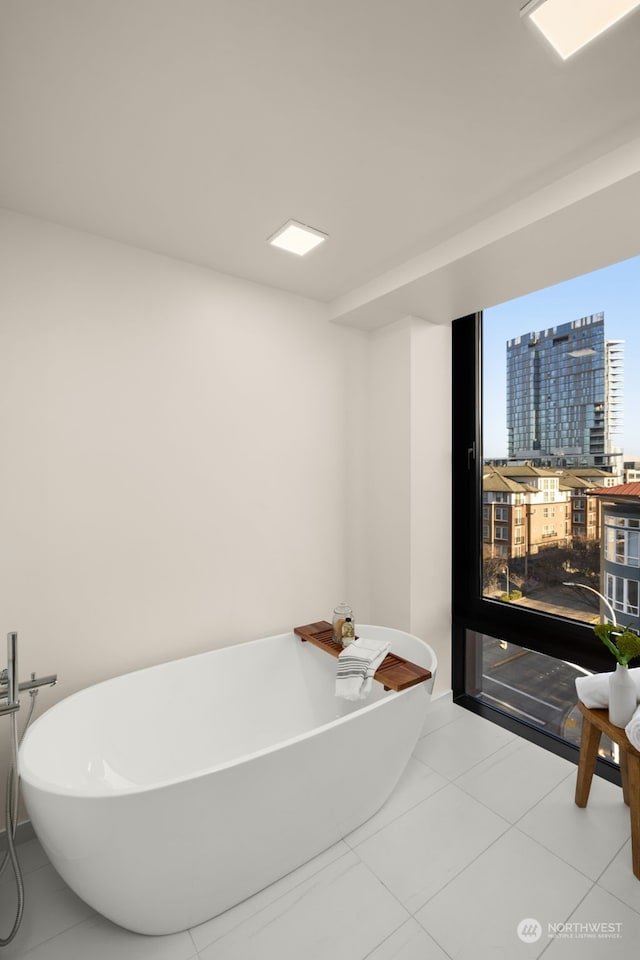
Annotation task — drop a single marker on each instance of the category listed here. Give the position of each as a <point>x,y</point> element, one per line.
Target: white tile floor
<point>480,834</point>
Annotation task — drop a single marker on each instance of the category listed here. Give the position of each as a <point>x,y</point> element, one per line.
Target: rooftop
<point>624,491</point>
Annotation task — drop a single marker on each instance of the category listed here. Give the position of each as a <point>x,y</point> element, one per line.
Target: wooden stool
<point>594,724</point>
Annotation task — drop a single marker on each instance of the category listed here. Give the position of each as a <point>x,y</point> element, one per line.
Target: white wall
<point>191,460</point>
<point>430,466</point>
<point>409,460</point>
<point>174,455</point>
<point>389,475</point>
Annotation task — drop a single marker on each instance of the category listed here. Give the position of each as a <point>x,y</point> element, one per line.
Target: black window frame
<point>545,633</point>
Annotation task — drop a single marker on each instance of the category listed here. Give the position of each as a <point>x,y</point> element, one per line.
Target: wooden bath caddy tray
<point>394,672</point>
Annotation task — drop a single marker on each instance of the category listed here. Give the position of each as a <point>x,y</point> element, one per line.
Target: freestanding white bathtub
<point>166,796</point>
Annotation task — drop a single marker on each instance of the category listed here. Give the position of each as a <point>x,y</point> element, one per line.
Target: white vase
<point>622,696</point>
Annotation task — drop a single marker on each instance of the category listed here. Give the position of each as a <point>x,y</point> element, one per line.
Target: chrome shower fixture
<point>10,687</point>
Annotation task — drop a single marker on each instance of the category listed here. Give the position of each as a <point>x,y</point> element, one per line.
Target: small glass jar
<point>340,614</point>
<point>348,632</point>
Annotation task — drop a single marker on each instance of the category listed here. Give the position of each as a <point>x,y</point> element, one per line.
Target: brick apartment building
<point>528,509</point>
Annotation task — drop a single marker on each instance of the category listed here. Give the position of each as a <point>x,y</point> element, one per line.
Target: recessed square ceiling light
<point>570,24</point>
<point>298,238</point>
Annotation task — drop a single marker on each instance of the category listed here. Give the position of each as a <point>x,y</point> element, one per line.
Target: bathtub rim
<point>40,783</point>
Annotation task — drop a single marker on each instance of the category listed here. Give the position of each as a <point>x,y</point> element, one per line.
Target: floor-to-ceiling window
<point>545,515</point>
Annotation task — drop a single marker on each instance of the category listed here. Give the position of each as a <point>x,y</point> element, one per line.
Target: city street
<point>533,687</point>
<point>561,601</point>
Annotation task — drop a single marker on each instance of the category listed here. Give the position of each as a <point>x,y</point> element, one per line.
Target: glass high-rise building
<point>564,395</point>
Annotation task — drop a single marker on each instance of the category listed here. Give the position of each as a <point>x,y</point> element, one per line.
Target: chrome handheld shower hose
<point>11,819</point>
<point>12,792</point>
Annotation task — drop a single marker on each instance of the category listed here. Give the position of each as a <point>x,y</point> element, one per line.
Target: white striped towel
<point>594,689</point>
<point>356,666</point>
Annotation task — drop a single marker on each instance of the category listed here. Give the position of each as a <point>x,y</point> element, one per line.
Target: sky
<point>614,290</point>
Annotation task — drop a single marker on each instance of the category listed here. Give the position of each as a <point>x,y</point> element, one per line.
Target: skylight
<point>297,238</point>
<point>569,25</point>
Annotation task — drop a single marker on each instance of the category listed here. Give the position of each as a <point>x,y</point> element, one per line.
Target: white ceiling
<point>195,128</point>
